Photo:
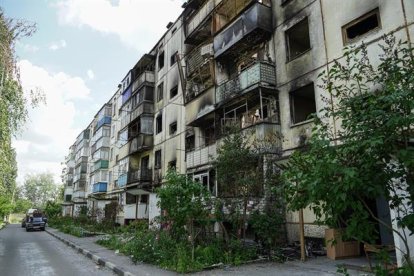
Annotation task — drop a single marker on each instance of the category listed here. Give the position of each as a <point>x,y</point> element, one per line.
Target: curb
<point>99,260</point>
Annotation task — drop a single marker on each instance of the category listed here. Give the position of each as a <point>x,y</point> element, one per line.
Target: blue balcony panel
<point>100,187</point>
<point>122,180</point>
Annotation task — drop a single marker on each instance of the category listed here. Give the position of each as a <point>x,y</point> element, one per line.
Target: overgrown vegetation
<point>370,154</point>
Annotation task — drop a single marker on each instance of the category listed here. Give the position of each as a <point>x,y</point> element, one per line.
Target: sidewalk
<point>122,265</point>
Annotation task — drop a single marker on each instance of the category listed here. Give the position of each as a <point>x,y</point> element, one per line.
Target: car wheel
<point>43,229</point>
<point>27,229</point>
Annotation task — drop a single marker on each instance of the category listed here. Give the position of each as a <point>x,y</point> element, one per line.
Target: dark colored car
<point>35,223</point>
<point>24,222</point>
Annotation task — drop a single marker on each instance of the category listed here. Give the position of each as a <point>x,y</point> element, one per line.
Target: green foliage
<point>269,227</point>
<point>21,205</point>
<point>371,154</point>
<point>183,201</point>
<point>40,188</point>
<point>52,209</point>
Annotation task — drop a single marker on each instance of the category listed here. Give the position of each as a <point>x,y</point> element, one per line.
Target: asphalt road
<point>38,253</point>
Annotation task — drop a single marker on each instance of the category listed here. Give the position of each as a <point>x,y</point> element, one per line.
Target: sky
<point>80,52</point>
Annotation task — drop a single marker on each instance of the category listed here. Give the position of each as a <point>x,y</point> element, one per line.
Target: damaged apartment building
<point>245,63</point>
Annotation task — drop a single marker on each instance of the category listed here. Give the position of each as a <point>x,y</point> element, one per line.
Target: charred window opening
<point>172,164</point>
<point>158,123</point>
<point>173,128</point>
<point>297,39</point>
<point>143,199</point>
<point>302,103</point>
<point>160,92</point>
<point>173,58</point>
<point>190,143</point>
<point>360,26</point>
<point>209,137</point>
<point>157,160</point>
<point>161,60</point>
<point>173,92</point>
<point>130,199</point>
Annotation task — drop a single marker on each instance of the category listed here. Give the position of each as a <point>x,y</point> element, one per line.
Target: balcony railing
<point>201,156</point>
<point>100,187</point>
<point>146,77</point>
<point>122,180</point>
<point>201,14</point>
<point>140,143</point>
<point>252,27</point>
<point>130,211</point>
<point>139,176</point>
<point>260,73</point>
<point>106,120</point>
<point>198,57</point>
<point>101,164</point>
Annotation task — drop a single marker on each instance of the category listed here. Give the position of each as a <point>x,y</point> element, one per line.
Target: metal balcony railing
<point>259,73</point>
<point>141,142</point>
<point>142,108</point>
<point>122,180</point>
<point>139,175</point>
<point>146,77</point>
<point>201,14</point>
<point>201,156</point>
<point>100,187</point>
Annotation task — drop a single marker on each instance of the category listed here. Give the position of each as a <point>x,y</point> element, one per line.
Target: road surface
<point>38,253</point>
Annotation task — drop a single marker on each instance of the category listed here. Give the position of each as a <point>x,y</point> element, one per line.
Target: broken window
<point>190,142</point>
<point>297,39</point>
<point>161,60</point>
<point>157,160</point>
<point>173,128</point>
<point>302,103</point>
<point>160,92</point>
<point>158,123</point>
<point>173,58</point>
<point>173,92</point>
<point>360,26</point>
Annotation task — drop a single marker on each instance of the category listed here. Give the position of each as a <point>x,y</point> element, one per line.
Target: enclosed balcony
<point>122,180</point>
<point>198,26</point>
<point>250,28</point>
<point>143,175</point>
<point>101,164</point>
<point>141,125</point>
<point>259,74</point>
<point>146,78</point>
<point>105,120</point>
<point>143,108</point>
<point>100,187</point>
<point>140,143</point>
<point>201,156</point>
<point>103,142</point>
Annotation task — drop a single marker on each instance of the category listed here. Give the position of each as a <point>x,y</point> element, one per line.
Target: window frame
<point>293,122</point>
<point>357,20</point>
<point>289,56</point>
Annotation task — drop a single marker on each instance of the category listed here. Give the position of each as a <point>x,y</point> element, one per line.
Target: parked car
<point>24,222</point>
<point>34,223</point>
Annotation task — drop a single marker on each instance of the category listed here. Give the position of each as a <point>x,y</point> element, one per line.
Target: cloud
<point>54,46</point>
<point>138,23</point>
<point>27,47</point>
<point>52,127</point>
<point>91,74</point>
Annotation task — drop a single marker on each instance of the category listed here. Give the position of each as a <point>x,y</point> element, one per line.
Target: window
<point>360,26</point>
<point>173,92</point>
<point>174,30</point>
<point>172,164</point>
<point>68,197</point>
<point>207,179</point>
<point>157,161</point>
<point>112,154</point>
<point>190,143</point>
<point>113,131</point>
<point>160,92</point>
<point>297,39</point>
<point>173,128</point>
<point>143,199</point>
<point>158,124</point>
<point>161,60</point>
<point>173,58</point>
<point>302,103</point>
<point>130,199</point>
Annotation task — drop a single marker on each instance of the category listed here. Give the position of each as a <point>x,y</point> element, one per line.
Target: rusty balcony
<point>259,74</point>
<point>250,28</point>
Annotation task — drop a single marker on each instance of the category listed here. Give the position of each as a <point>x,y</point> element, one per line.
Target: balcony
<point>106,120</point>
<point>144,175</point>
<point>198,26</point>
<point>77,195</point>
<point>146,78</point>
<point>140,143</point>
<point>250,28</point>
<point>122,180</point>
<point>101,164</point>
<point>143,108</point>
<point>99,187</point>
<point>259,74</point>
<point>201,156</point>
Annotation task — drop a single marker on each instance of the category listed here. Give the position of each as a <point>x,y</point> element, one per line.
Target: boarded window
<point>360,26</point>
<point>297,39</point>
<point>302,103</point>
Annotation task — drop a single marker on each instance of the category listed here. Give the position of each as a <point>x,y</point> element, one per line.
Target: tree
<point>13,112</point>
<point>372,153</point>
<point>40,188</point>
